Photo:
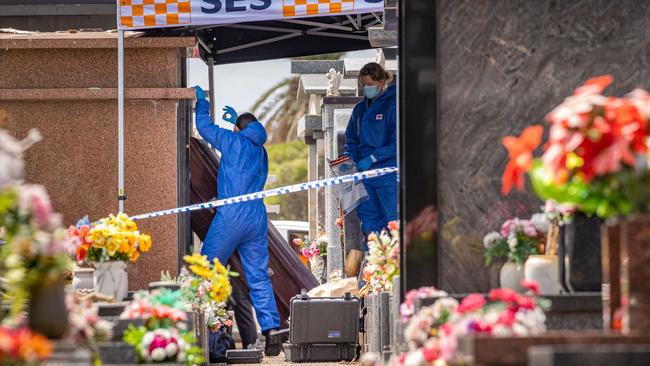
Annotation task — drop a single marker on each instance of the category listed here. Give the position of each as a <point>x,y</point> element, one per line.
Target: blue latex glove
<point>200,94</point>
<point>364,164</point>
<point>229,115</point>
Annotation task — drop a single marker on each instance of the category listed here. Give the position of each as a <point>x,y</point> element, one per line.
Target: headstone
<point>66,353</point>
<point>587,354</point>
<point>385,325</point>
<point>354,65</point>
<point>635,248</point>
<point>319,67</point>
<point>512,351</point>
<point>116,353</point>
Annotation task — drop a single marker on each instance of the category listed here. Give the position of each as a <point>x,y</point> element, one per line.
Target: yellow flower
<point>196,258</point>
<point>219,268</point>
<point>112,246</point>
<point>204,272</point>
<point>124,246</point>
<point>221,289</point>
<point>144,243</point>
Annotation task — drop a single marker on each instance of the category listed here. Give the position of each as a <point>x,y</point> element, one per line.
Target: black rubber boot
<point>272,342</point>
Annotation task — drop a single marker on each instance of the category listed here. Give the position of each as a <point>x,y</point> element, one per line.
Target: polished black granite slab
<point>504,64</point>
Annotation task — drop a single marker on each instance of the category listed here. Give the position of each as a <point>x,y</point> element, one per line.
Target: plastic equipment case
<point>323,329</point>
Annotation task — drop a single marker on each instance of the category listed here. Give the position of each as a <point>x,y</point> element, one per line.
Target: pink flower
<point>297,242</point>
<point>504,295</point>
<point>550,206</point>
<point>431,353</point>
<point>530,285</point>
<point>33,199</point>
<point>507,318</point>
<point>529,228</point>
<point>471,303</point>
<point>526,302</point>
<point>305,252</point>
<point>507,227</point>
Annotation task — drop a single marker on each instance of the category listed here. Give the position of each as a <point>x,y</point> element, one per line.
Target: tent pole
<point>213,105</point>
<point>120,120</point>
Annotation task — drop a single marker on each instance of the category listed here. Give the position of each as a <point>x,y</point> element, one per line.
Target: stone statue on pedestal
<point>333,82</point>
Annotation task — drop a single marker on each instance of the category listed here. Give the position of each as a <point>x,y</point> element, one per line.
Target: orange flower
<point>393,226</point>
<point>134,256</point>
<point>82,251</point>
<point>595,85</point>
<point>520,151</point>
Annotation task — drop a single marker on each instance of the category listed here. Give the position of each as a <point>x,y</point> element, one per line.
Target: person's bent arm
<point>216,136</point>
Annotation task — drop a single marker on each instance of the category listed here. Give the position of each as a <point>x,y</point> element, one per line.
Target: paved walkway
<point>279,360</point>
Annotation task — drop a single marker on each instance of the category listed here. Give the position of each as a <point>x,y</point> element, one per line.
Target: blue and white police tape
<point>356,177</point>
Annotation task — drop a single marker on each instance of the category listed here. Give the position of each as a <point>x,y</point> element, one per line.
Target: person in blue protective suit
<point>241,227</point>
<point>371,142</point>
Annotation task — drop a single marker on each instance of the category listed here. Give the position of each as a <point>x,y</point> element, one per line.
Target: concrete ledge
<point>309,124</point>
<point>315,66</point>
<point>92,40</point>
<point>95,94</point>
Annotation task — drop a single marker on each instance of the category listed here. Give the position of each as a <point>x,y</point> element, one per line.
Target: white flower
<point>446,303</point>
<point>512,242</point>
<point>171,349</point>
<point>158,354</point>
<point>490,239</point>
<point>414,358</point>
<point>13,260</point>
<point>540,222</point>
<point>147,339</point>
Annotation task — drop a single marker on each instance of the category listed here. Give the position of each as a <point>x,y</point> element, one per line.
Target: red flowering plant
<point>21,346</point>
<point>433,332</point>
<point>596,156</point>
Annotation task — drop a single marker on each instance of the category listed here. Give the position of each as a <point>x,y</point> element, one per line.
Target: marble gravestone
<point>503,65</point>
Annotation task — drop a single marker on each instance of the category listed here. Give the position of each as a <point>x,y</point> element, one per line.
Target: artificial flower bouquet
<point>517,239</point>
<point>433,332</point>
<point>596,156</point>
<point>407,308</point>
<point>206,287</point>
<point>84,324</point>
<point>164,336</point>
<point>113,238</point>
<point>35,249</point>
<point>312,248</point>
<point>382,262</point>
<point>22,347</point>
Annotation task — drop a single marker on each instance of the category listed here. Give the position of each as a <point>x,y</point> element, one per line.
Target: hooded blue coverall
<point>372,131</point>
<point>243,169</point>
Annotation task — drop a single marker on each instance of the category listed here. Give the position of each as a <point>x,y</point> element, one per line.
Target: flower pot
<point>82,278</point>
<point>318,268</point>
<point>510,276</point>
<point>111,279</point>
<point>580,246</point>
<point>543,269</point>
<point>48,314</point>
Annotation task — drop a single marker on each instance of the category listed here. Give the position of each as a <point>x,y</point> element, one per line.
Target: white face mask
<point>370,91</point>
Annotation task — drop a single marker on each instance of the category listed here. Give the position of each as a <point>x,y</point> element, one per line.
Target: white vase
<point>510,276</point>
<point>543,269</point>
<point>111,279</point>
<point>83,278</point>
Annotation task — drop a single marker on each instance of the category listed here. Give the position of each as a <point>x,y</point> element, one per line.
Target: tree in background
<point>288,163</point>
<point>279,109</point>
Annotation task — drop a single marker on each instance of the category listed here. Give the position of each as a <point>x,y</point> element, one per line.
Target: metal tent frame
<point>254,41</point>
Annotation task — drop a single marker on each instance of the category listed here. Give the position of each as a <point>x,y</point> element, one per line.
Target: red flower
<point>520,151</point>
<point>507,318</point>
<point>431,353</point>
<point>530,285</point>
<point>526,302</point>
<point>339,222</point>
<point>471,303</point>
<point>503,295</point>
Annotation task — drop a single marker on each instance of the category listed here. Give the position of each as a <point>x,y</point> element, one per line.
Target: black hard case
<point>323,329</point>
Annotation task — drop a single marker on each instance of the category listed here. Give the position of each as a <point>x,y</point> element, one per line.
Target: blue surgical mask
<point>370,91</point>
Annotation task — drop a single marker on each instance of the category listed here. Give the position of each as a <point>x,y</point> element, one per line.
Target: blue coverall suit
<point>372,131</point>
<point>243,169</point>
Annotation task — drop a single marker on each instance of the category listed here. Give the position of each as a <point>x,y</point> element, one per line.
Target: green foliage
<point>616,194</point>
<point>288,162</point>
<point>133,335</point>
